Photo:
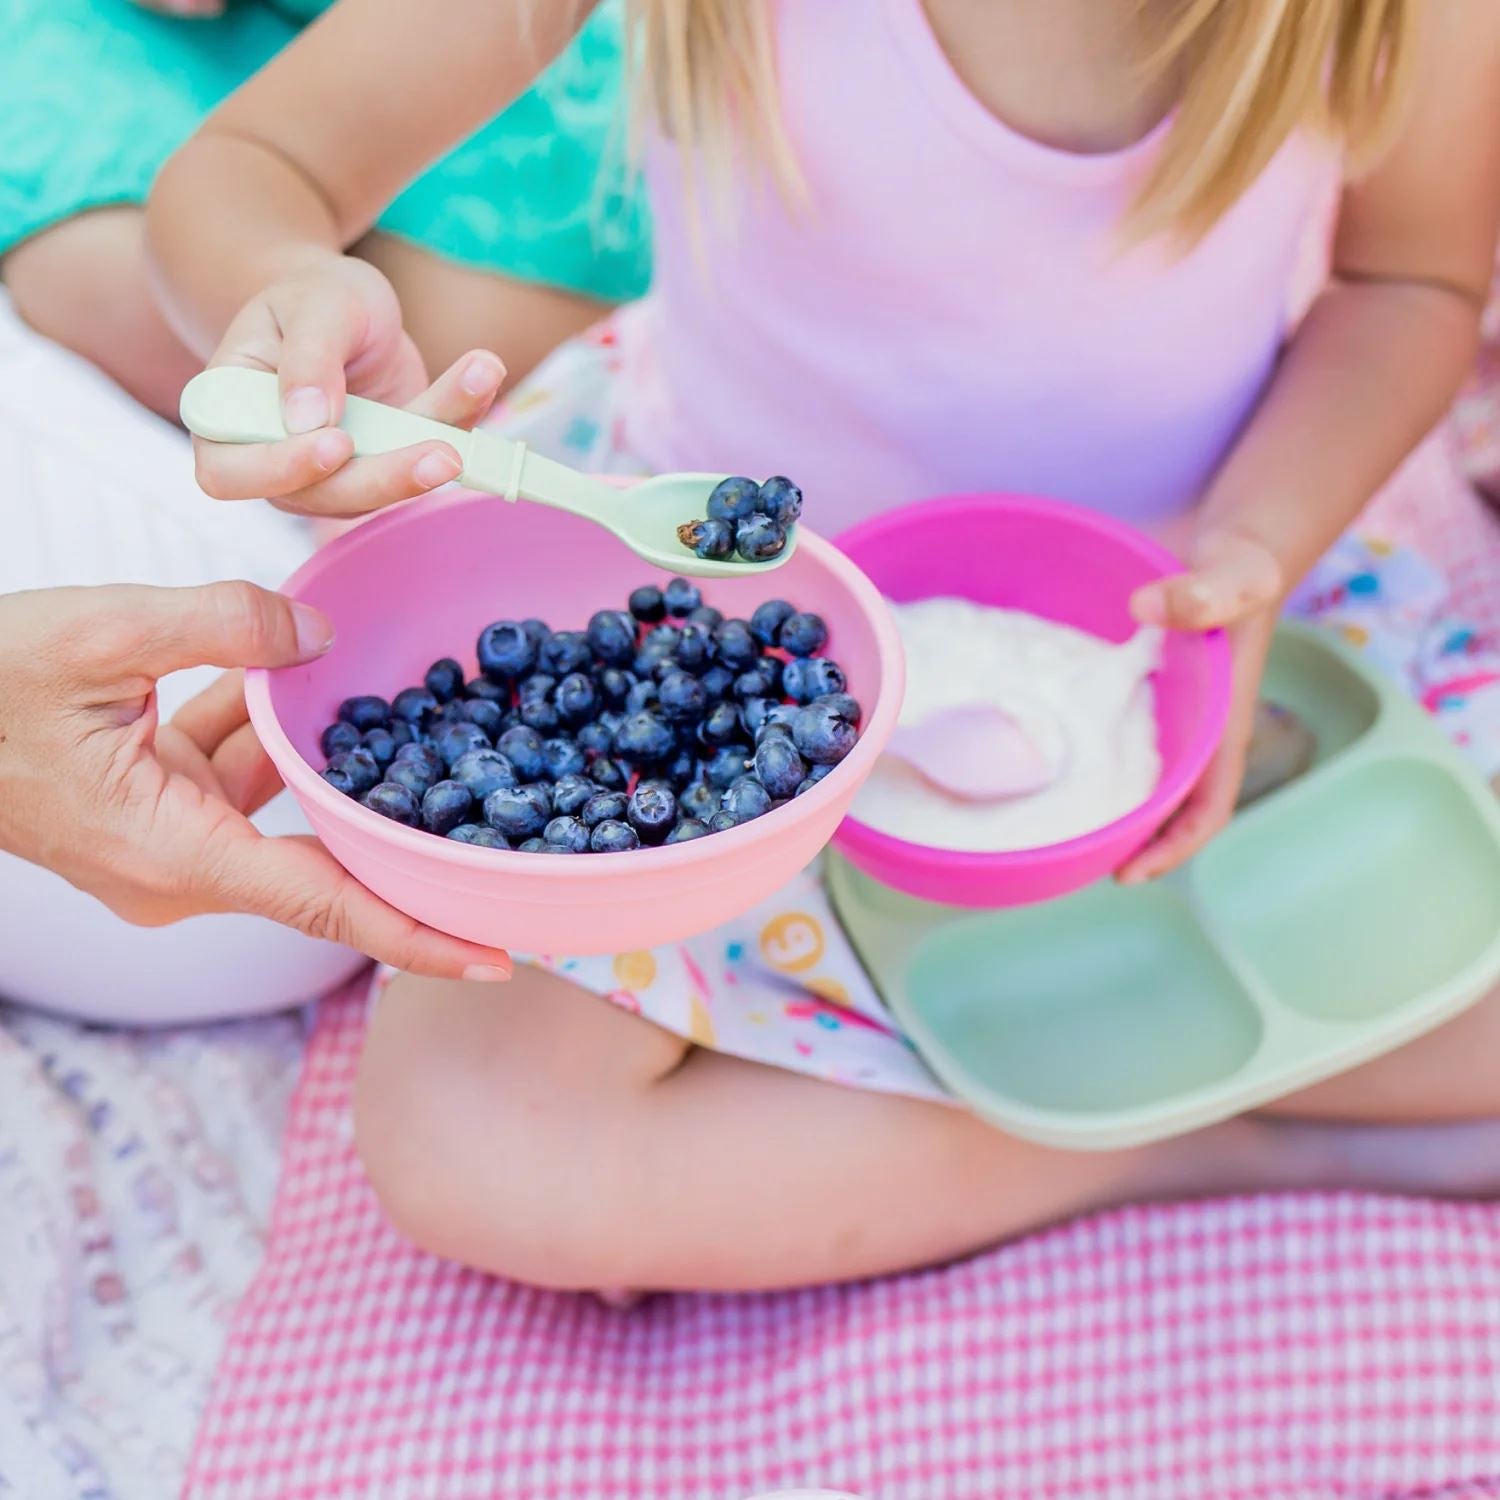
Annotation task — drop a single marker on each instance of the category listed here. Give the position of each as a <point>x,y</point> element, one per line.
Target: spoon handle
<point>233,405</point>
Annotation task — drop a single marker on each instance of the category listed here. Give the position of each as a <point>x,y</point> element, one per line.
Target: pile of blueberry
<point>745,517</point>
<point>655,725</point>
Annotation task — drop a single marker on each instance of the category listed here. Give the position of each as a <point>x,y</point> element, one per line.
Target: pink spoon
<point>976,752</point>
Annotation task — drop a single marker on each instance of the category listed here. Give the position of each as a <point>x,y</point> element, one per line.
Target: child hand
<point>330,328</point>
<point>1234,583</point>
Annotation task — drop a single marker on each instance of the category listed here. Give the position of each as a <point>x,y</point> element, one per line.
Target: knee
<point>476,1164</point>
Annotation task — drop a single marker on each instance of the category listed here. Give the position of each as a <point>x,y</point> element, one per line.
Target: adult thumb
<point>154,631</point>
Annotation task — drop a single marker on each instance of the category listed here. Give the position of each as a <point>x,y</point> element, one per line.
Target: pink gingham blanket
<point>1295,1347</point>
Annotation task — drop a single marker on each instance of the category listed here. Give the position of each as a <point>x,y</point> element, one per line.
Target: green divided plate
<point>1335,919</point>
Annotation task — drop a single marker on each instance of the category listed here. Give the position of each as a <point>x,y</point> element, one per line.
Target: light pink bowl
<point>420,582</point>
<point>1066,564</point>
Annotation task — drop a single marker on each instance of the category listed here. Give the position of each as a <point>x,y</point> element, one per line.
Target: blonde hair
<point>1252,71</point>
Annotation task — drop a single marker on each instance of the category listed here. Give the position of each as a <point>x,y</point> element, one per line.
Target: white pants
<point>95,490</point>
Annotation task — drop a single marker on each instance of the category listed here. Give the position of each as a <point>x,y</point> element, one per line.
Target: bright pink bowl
<point>1066,564</point>
<point>421,581</point>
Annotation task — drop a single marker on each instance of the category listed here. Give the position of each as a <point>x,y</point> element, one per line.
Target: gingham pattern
<point>1295,1347</point>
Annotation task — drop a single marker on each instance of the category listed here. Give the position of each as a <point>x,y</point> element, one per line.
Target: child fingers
<point>254,471</point>
<point>370,484</point>
<point>318,334</point>
<point>1222,590</point>
<point>464,392</point>
<point>1199,820</point>
<point>215,713</point>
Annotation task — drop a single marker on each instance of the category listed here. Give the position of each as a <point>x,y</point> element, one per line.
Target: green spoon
<point>232,405</point>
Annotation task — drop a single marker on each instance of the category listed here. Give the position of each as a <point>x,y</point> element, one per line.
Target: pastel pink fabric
<point>952,311</point>
<point>1272,1348</point>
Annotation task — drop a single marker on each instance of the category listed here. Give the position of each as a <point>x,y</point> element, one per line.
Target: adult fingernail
<point>314,630</point>
<point>305,409</point>
<point>481,375</point>
<point>435,468</point>
<point>332,449</point>
<point>486,973</point>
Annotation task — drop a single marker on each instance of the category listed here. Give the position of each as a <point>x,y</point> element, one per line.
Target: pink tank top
<point>952,312</point>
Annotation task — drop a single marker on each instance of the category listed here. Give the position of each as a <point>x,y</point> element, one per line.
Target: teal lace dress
<point>95,94</point>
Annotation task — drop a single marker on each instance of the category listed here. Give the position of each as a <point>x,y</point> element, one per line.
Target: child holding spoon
<point>903,248</point>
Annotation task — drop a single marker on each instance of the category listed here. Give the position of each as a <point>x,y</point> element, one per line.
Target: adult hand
<point>330,328</point>
<point>1233,583</point>
<point>153,819</point>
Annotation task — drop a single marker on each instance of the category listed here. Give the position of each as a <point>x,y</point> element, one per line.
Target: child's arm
<point>1371,370</point>
<point>248,222</point>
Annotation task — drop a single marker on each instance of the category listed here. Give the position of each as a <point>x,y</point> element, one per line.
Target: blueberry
<point>706,616</point>
<point>481,772</point>
<point>777,720</point>
<point>734,646</point>
<point>563,756</point>
<point>455,712</point>
<point>490,717</point>
<point>718,683</point>
<point>567,651</point>
<point>517,812</point>
<point>482,687</point>
<point>338,738</point>
<point>537,688</point>
<point>424,756</point>
<point>823,734</point>
<point>688,828</point>
<point>681,597</point>
<point>733,499</point>
<point>536,630</point>
<point>726,766</point>
<point>506,651</point>
<point>609,774</point>
<point>644,738</point>
<point>613,837</point>
<point>694,649</point>
<point>444,679</point>
<point>393,801</point>
<point>532,845</point>
<point>721,725</point>
<point>615,685</point>
<point>683,700</point>
<point>567,833</point>
<point>648,605</point>
<point>571,792</point>
<point>401,732</point>
<point>362,769</point>
<point>768,618</point>
<point>763,680</point>
<point>802,634</point>
<point>602,807</point>
<point>759,539</point>
<point>778,766</point>
<point>699,801</point>
<point>611,636</point>
<point>844,704</point>
<point>366,712</point>
<point>413,775</point>
<point>823,678</point>
<point>340,780</point>
<point>454,740</point>
<point>707,539</point>
<point>381,743</point>
<point>522,747</point>
<point>596,738</point>
<point>413,704</point>
<point>467,833</point>
<point>643,668</point>
<point>780,499</point>
<point>722,822</point>
<point>680,769</point>
<point>746,799</point>
<point>445,806</point>
<point>753,713</point>
<point>798,680</point>
<point>483,837</point>
<point>540,715</point>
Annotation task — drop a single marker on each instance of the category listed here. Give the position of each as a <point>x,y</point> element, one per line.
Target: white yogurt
<point>1087,703</point>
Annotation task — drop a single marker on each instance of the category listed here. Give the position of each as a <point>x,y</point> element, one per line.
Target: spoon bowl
<point>975,752</point>
<point>232,405</point>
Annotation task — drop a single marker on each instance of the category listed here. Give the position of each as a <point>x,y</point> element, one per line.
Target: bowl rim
<point>860,841</point>
<point>305,782</point>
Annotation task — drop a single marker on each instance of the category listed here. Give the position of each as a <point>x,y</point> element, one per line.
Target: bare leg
<point>537,1132</point>
<point>450,309</point>
<point>83,284</point>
